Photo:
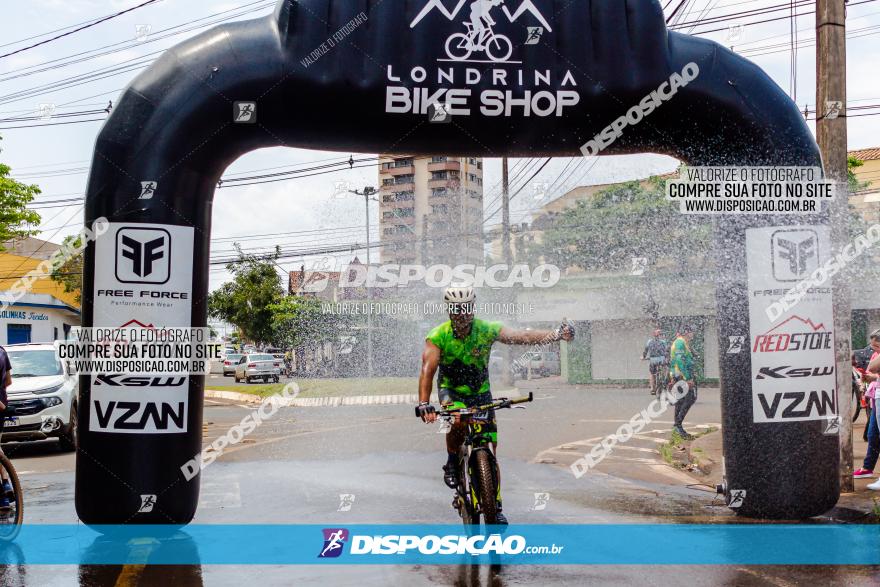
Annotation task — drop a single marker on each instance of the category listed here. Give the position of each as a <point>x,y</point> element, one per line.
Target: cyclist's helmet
<point>459,294</point>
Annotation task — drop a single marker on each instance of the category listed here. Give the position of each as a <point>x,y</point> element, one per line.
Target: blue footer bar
<point>656,544</point>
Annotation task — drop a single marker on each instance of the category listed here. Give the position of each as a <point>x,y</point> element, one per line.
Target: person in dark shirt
<point>5,381</point>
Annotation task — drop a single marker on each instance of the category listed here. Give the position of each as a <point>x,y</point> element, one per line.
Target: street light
<point>367,192</point>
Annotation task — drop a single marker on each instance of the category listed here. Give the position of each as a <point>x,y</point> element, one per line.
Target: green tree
<point>245,301</point>
<point>16,220</point>
<point>623,222</point>
<point>70,274</point>
<point>854,184</point>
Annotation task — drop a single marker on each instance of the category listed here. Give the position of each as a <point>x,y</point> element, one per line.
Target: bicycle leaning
<point>11,502</point>
<point>477,491</point>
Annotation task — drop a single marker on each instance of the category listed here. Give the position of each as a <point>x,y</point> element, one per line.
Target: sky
<point>56,157</point>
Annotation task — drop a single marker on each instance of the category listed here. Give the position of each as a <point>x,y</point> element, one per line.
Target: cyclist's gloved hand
<point>426,412</point>
<point>565,332</point>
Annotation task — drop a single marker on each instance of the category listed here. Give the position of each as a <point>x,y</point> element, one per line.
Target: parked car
<point>542,363</point>
<point>275,352</point>
<point>42,397</point>
<point>258,366</point>
<point>229,363</point>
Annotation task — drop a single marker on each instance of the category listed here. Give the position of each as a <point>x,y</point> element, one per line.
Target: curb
<point>316,402</point>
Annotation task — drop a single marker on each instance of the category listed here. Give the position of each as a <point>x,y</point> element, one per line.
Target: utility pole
<point>368,191</point>
<point>506,252</point>
<point>505,213</point>
<point>832,139</point>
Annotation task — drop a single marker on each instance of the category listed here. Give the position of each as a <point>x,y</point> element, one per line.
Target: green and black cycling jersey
<point>464,362</point>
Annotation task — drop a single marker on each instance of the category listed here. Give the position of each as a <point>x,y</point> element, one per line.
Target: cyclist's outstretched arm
<point>513,336</point>
<point>430,362</point>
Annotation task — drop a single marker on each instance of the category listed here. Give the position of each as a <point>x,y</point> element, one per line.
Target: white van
<point>42,397</point>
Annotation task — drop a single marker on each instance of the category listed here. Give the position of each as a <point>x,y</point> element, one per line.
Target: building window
<point>439,208</point>
<point>439,192</point>
<point>405,212</point>
<point>439,159</point>
<point>409,178</point>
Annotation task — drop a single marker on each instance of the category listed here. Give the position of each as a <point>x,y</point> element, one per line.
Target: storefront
<point>36,318</point>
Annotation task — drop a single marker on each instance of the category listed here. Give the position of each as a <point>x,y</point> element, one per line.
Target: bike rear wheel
<point>11,517</point>
<point>458,47</point>
<point>499,48</point>
<point>487,486</point>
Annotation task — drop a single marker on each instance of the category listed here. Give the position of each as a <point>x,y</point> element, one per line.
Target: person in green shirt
<point>681,368</point>
<point>460,350</point>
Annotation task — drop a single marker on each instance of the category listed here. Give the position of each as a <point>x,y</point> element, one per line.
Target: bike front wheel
<point>499,48</point>
<point>458,47</point>
<point>488,486</point>
<point>10,517</point>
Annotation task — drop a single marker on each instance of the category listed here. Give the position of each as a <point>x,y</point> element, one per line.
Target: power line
<point>82,28</point>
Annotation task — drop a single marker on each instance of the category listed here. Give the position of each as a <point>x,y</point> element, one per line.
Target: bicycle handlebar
<point>498,404</point>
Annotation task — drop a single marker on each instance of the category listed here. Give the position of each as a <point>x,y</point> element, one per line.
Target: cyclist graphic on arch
<point>480,36</point>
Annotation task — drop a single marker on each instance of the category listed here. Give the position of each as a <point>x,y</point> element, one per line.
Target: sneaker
<point>875,486</point>
<point>863,473</point>
<point>500,519</point>
<point>5,503</point>
<point>450,475</point>
<point>683,433</point>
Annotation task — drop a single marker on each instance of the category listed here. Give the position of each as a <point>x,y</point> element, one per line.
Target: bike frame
<point>475,441</point>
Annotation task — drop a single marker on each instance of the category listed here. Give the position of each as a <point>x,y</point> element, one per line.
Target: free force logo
<point>143,255</point>
<point>795,254</point>
<point>334,541</point>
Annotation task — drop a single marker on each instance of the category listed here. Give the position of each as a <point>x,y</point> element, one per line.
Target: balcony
<point>401,187</point>
<point>402,170</point>
<point>445,166</point>
<point>451,183</point>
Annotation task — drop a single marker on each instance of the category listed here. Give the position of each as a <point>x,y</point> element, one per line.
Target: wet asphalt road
<point>295,468</point>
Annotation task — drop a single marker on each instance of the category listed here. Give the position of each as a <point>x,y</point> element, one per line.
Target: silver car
<point>258,366</point>
<point>42,397</point>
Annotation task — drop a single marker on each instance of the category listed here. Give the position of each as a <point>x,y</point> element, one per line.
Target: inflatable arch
<point>364,76</point>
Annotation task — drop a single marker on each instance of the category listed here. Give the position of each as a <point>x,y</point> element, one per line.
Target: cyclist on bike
<point>461,348</point>
<point>480,19</point>
<point>657,351</point>
<point>5,381</point>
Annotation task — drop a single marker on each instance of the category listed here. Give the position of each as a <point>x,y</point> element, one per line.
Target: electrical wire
<point>81,28</point>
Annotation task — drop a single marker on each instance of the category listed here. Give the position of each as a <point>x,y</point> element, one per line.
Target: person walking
<point>681,368</point>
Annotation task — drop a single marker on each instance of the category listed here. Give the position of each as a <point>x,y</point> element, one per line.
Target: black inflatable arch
<point>319,72</point>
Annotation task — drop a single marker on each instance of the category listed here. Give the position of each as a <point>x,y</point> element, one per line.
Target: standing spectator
<point>5,381</point>
<point>681,368</point>
<point>657,351</point>
<point>873,430</point>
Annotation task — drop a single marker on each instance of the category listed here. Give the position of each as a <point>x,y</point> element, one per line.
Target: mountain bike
<point>477,491</point>
<point>460,46</point>
<point>10,517</point>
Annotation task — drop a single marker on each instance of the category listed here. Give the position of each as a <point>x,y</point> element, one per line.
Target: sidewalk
<point>705,454</point>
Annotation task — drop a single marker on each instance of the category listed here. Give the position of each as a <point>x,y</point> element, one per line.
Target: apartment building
<point>431,210</point>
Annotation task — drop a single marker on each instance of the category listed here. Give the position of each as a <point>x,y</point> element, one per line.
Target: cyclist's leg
<point>478,29</point>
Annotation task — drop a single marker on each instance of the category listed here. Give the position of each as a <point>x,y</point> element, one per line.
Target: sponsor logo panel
<point>793,360</point>
<point>143,277</point>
